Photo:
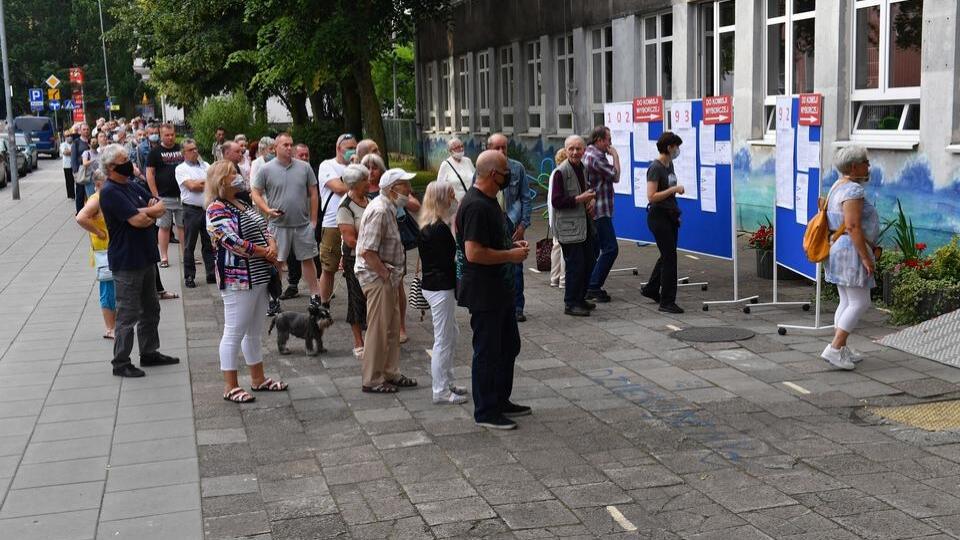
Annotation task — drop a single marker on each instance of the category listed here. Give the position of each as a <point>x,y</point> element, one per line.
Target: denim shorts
<point>108,296</point>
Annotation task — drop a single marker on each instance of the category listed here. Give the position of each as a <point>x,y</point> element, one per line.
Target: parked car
<point>21,161</point>
<point>40,129</point>
<point>26,144</point>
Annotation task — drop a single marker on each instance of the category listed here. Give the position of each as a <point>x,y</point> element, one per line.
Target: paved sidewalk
<point>83,454</point>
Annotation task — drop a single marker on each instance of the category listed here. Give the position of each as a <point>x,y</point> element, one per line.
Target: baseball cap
<point>395,175</point>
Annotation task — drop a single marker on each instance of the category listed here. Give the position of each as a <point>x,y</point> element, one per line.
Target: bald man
<point>366,146</point>
<point>487,290</point>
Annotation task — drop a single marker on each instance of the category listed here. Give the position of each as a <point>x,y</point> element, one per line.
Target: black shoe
<point>599,296</point>
<point>671,308</point>
<point>274,308</point>
<point>189,283</point>
<point>211,279</point>
<point>315,301</point>
<point>512,410</point>
<point>589,306</point>
<point>498,423</point>
<point>651,295</point>
<point>158,359</point>
<point>128,370</point>
<point>173,240</point>
<point>576,311</point>
<point>521,317</point>
<point>290,292</point>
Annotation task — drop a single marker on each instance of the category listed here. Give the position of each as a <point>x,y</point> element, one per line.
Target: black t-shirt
<point>130,248</point>
<point>438,251</point>
<point>484,287</point>
<point>665,178</point>
<point>165,161</point>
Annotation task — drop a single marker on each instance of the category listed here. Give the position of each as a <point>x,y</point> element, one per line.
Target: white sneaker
<point>448,398</point>
<point>836,358</point>
<point>554,283</point>
<point>854,355</point>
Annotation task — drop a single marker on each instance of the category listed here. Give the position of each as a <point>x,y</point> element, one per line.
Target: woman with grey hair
<point>375,165</point>
<point>265,152</point>
<point>852,255</point>
<point>457,169</point>
<point>349,212</point>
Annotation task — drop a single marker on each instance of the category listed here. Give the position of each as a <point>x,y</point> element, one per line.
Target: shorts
<point>108,295</point>
<point>330,251</point>
<point>173,215</point>
<point>301,238</point>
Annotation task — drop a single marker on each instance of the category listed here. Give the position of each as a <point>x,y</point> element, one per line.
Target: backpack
<point>817,237</point>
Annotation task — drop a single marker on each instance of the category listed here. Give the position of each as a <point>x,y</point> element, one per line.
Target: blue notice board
<point>798,177</point>
<point>706,231</point>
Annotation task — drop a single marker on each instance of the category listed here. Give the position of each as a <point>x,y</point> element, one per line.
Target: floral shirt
<point>236,233</point>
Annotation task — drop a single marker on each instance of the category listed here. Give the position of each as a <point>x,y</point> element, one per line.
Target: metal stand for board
<point>776,302</point>
<point>681,282</point>
<point>736,267</point>
<point>782,328</point>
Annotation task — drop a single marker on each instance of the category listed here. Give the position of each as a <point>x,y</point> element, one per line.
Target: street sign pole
<point>7,90</point>
<point>103,43</point>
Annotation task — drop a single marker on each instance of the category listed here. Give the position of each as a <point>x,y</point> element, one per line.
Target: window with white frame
<point>534,86</point>
<point>717,20</point>
<point>463,91</point>
<point>789,51</point>
<point>565,85</point>
<point>507,81</point>
<point>446,105</point>
<point>658,55</point>
<point>601,71</point>
<point>483,89</point>
<point>886,66</point>
<point>430,95</point>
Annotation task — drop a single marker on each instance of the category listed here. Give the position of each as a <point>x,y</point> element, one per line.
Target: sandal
<point>167,295</point>
<point>108,334</point>
<point>270,385</point>
<point>403,381</point>
<point>164,264</point>
<point>382,388</point>
<point>458,390</point>
<point>449,398</point>
<point>404,338</point>
<point>238,395</point>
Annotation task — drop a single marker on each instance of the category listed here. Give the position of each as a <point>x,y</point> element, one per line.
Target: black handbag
<point>409,231</point>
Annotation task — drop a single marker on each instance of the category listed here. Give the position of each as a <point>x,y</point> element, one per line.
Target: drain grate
<point>713,334</point>
<point>936,416</point>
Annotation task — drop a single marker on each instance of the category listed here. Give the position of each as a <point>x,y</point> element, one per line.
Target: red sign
<point>76,75</point>
<point>77,99</point>
<point>79,116</point>
<point>718,110</point>
<point>811,109</point>
<point>648,109</point>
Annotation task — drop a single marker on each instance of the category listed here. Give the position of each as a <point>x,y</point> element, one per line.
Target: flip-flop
<point>164,264</point>
<point>238,395</point>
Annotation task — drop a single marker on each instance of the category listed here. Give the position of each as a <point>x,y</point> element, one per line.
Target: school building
<point>539,70</point>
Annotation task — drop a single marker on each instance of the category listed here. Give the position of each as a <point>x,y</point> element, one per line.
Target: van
<point>40,129</point>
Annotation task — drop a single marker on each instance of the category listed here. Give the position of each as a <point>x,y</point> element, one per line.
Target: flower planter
<point>887,284</point>
<point>765,267</point>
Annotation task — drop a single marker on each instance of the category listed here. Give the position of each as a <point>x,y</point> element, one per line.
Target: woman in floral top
<point>246,255</point>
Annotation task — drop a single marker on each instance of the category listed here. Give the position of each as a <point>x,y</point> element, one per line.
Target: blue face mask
<point>154,138</point>
<point>269,157</point>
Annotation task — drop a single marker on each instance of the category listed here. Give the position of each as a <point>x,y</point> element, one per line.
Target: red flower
<point>912,263</point>
<point>921,246</point>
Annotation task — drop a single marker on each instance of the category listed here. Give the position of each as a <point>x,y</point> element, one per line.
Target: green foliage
<point>945,262</point>
<point>232,112</point>
<point>916,298</point>
<point>905,237</point>
<point>320,136</point>
<point>382,72</point>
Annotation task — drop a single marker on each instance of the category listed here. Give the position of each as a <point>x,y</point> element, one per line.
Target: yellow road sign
<point>53,94</point>
<point>53,82</point>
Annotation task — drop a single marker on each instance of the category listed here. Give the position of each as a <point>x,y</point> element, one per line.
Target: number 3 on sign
<point>681,115</point>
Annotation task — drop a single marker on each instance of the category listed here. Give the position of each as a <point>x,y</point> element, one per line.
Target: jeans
<point>519,301</point>
<point>607,242</point>
<point>496,344</point>
<point>664,275</point>
<point>443,310</point>
<point>137,305</point>
<point>243,314</point>
<point>579,259</point>
<point>195,226</point>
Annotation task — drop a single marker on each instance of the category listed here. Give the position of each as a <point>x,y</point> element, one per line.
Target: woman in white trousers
<point>558,271</point>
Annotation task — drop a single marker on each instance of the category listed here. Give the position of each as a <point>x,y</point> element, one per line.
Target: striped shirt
<point>236,232</point>
<point>600,176</point>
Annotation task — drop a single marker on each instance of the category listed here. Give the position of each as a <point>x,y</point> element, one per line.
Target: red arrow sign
<point>717,110</point>
<point>811,109</point>
<point>648,109</point>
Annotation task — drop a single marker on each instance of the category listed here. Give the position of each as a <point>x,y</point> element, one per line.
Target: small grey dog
<point>309,327</point>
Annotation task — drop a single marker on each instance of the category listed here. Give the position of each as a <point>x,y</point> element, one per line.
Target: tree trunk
<point>370,105</point>
<point>297,105</point>
<point>316,104</point>
<point>352,119</point>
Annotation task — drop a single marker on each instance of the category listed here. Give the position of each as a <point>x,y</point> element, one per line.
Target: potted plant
<point>761,240</point>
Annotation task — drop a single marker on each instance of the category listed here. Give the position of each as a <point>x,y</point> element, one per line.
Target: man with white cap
<point>379,269</point>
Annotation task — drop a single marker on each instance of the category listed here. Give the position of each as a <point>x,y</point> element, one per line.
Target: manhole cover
<point>937,416</point>
<point>713,334</point>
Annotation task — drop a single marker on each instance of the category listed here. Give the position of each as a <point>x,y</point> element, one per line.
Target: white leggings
<point>243,314</point>
<point>443,307</point>
<point>854,301</point>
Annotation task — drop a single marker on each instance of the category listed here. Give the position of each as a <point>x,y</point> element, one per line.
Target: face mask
<point>239,183</point>
<point>348,154</point>
<point>457,155</point>
<point>269,157</point>
<point>154,138</point>
<point>674,154</point>
<point>452,211</point>
<point>506,181</point>
<point>402,200</point>
<point>125,169</point>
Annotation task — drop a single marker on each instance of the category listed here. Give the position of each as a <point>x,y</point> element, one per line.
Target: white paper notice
<point>784,112</point>
<point>803,187</point>
<point>724,152</point>
<point>621,141</point>
<point>808,152</point>
<point>708,141</point>
<point>640,187</point>
<point>708,189</point>
<point>784,168</point>
<point>685,166</point>
<point>643,148</point>
<point>681,116</point>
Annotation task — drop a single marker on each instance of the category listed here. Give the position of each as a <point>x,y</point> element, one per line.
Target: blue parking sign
<point>36,99</point>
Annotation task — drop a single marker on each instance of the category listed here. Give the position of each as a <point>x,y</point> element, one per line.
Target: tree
<point>400,57</point>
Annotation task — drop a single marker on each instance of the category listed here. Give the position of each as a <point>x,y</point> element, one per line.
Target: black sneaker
<point>274,308</point>
<point>128,370</point>
<point>671,308</point>
<point>521,317</point>
<point>498,423</point>
<point>590,306</point>
<point>158,359</point>
<point>290,292</point>
<point>189,283</point>
<point>512,410</point>
<point>211,279</point>
<point>600,296</point>
<point>576,311</point>
<point>655,296</point>
<point>173,239</point>
<point>315,301</point>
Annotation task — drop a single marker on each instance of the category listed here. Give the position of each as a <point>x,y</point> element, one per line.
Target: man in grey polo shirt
<point>285,189</point>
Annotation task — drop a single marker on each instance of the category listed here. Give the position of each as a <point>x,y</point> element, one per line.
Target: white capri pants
<point>243,315</point>
<point>558,270</point>
<point>443,307</point>
<point>854,302</point>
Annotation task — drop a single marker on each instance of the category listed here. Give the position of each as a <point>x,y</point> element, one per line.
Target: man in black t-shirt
<point>486,289</point>
<point>162,178</point>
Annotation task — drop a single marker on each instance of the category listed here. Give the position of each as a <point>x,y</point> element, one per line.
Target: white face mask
<point>239,183</point>
<point>452,211</point>
<point>401,200</point>
<point>674,154</point>
<point>457,155</point>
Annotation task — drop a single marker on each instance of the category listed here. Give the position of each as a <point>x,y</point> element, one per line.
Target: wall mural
<point>935,210</point>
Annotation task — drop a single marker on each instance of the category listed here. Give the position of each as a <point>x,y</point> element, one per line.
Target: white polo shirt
<point>191,171</point>
<point>329,169</point>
